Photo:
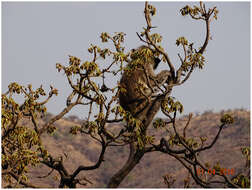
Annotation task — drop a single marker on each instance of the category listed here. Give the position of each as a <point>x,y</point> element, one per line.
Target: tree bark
<point>133,159</point>
<point>135,153</point>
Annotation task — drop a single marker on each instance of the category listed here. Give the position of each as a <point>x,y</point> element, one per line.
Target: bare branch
<point>57,117</point>
<point>207,17</point>
<point>187,124</point>
<point>46,174</point>
<point>213,142</point>
<point>147,34</point>
<point>98,163</point>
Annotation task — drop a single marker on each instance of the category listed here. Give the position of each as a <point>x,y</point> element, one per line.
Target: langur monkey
<point>140,81</point>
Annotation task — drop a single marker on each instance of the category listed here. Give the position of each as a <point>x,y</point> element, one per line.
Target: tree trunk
<point>135,153</point>
<point>134,158</point>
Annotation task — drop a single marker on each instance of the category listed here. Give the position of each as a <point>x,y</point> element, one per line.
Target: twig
<point>46,174</point>
<point>187,124</point>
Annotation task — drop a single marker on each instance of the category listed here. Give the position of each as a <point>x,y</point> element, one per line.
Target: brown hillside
<point>81,150</point>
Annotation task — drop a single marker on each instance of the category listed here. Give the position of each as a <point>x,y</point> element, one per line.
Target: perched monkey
<point>140,81</point>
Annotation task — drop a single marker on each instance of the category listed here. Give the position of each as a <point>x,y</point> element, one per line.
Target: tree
<point>22,146</point>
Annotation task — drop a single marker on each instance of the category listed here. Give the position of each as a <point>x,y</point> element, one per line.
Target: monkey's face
<point>156,62</point>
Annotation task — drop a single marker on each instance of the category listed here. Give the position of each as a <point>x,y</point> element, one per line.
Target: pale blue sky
<point>35,36</point>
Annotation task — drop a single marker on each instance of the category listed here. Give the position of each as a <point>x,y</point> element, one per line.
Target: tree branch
<point>97,165</point>
<point>149,26</point>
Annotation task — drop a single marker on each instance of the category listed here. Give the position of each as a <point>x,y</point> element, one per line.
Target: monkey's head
<point>146,53</point>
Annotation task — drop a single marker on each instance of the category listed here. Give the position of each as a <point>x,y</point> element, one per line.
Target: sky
<point>37,35</point>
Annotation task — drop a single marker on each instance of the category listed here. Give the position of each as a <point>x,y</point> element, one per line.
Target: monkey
<point>139,81</point>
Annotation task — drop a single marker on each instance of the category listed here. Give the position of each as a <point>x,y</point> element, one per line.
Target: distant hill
<point>81,150</point>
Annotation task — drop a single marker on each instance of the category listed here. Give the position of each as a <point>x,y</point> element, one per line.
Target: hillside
<point>81,150</point>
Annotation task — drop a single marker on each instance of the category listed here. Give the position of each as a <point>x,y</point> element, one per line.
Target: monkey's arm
<point>160,79</point>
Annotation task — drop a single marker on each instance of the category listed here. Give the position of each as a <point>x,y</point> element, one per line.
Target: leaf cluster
<point>227,119</point>
<point>199,12</point>
<point>21,144</point>
<point>170,105</point>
